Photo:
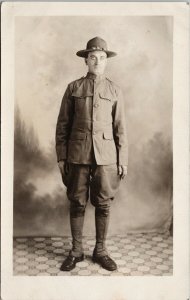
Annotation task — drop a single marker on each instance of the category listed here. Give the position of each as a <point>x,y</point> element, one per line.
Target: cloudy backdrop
<point>45,62</point>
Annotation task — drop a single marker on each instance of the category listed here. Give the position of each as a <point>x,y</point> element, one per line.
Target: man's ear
<point>85,60</point>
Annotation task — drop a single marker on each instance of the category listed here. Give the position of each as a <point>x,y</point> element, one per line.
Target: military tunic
<point>92,121</point>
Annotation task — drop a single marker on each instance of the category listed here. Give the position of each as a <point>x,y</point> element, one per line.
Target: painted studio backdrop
<point>45,62</point>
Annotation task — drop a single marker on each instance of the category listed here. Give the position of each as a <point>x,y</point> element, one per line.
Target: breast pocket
<point>106,103</point>
<point>79,104</point>
<point>108,98</point>
<point>81,101</point>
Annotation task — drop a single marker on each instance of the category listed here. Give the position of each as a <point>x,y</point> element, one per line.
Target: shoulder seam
<point>114,83</point>
<point>76,80</point>
<point>73,83</point>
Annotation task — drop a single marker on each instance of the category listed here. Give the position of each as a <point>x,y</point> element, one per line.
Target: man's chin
<point>97,73</point>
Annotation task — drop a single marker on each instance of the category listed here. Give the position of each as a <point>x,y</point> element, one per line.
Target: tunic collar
<point>95,77</point>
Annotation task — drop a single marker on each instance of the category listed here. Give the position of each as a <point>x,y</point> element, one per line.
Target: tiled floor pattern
<point>135,255</point>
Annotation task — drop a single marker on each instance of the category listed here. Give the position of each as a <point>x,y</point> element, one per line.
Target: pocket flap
<point>105,96</point>
<point>78,136</point>
<point>82,92</point>
<point>108,135</point>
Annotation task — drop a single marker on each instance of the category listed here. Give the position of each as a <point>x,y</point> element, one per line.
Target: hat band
<point>97,48</point>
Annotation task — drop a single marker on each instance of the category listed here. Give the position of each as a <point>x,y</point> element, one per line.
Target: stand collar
<point>95,77</point>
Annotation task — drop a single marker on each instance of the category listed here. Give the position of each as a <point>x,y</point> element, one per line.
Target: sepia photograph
<point>97,106</point>
<point>93,147</point>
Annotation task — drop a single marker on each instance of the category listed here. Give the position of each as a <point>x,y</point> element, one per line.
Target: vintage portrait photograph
<point>96,172</point>
<point>93,146</point>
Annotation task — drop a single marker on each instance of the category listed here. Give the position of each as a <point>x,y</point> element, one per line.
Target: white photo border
<point>174,287</point>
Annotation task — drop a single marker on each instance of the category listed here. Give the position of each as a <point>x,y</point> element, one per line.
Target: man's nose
<point>97,60</point>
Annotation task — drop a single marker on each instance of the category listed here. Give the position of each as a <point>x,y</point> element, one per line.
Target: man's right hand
<point>63,166</point>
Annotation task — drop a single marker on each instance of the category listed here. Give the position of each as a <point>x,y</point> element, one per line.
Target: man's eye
<point>93,57</point>
<point>102,57</point>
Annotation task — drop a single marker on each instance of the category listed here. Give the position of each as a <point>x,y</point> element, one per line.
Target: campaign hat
<point>96,44</point>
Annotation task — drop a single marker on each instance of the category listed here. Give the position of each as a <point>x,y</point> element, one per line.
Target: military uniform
<point>91,136</point>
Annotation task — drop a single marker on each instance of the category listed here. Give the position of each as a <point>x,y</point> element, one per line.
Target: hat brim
<point>84,53</point>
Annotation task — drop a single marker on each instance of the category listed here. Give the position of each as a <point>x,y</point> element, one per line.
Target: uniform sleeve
<point>120,130</point>
<point>64,124</point>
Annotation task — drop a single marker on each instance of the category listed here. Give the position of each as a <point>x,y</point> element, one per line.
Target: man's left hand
<point>122,170</point>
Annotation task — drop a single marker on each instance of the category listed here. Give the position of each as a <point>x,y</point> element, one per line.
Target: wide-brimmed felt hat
<point>96,44</point>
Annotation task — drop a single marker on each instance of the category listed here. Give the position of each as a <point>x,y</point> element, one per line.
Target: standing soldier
<point>91,146</point>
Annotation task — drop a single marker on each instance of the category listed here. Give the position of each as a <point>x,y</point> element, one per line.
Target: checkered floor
<point>135,255</point>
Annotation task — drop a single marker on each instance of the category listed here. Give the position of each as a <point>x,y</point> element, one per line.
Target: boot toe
<point>70,262</point>
<point>105,262</point>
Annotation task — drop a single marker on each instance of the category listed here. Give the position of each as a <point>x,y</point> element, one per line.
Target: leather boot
<point>76,253</point>
<point>100,254</point>
<point>76,223</point>
<point>70,262</point>
<point>101,223</point>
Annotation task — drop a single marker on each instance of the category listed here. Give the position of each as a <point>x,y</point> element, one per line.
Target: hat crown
<point>94,44</point>
<point>97,43</point>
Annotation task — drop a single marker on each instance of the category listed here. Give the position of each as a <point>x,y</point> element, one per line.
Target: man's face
<point>96,62</point>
